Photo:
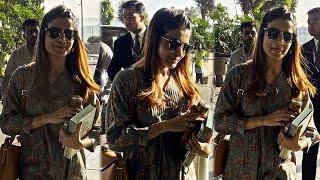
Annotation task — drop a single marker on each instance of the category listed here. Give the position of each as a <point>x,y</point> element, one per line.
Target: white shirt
<point>316,41</point>
<point>140,34</point>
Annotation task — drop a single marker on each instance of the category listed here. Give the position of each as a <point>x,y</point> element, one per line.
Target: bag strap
<point>24,90</point>
<point>240,91</point>
<point>133,93</point>
<point>23,96</point>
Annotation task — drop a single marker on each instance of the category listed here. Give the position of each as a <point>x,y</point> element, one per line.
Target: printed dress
<point>254,154</point>
<point>156,159</point>
<point>41,155</point>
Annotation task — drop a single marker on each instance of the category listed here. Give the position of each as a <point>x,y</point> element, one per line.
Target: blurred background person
<point>127,48</point>
<point>311,51</point>
<point>199,63</point>
<point>25,53</point>
<point>244,53</point>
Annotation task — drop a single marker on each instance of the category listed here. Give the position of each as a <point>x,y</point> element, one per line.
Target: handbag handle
<point>133,94</point>
<point>240,93</point>
<point>23,96</point>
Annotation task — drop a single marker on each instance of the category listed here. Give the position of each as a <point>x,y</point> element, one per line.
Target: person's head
<point>314,22</point>
<point>248,33</point>
<point>58,40</point>
<point>133,15</point>
<point>30,30</point>
<point>167,47</point>
<point>277,44</point>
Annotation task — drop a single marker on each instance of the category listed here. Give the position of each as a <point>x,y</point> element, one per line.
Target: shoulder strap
<point>133,93</point>
<point>23,97</point>
<point>240,90</point>
<point>24,90</point>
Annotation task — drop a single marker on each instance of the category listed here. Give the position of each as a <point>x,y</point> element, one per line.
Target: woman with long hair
<point>149,134</point>
<point>273,78</point>
<point>59,73</point>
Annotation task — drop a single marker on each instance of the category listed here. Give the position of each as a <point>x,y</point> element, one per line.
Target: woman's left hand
<point>295,143</point>
<point>199,148</point>
<point>72,141</point>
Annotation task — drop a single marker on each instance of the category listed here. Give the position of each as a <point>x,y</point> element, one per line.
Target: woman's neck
<point>57,67</point>
<point>164,76</point>
<point>273,70</point>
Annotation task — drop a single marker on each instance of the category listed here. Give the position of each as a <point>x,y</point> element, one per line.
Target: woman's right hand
<point>278,118</point>
<point>55,117</point>
<point>61,114</point>
<point>180,123</point>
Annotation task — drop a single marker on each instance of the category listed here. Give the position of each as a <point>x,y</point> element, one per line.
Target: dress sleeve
<point>226,120</point>
<point>120,127</point>
<point>12,122</point>
<point>11,66</point>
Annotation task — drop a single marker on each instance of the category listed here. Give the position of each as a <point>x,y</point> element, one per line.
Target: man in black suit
<point>127,48</point>
<point>311,51</point>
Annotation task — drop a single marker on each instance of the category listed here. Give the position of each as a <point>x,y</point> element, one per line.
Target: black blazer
<point>313,73</point>
<point>123,56</point>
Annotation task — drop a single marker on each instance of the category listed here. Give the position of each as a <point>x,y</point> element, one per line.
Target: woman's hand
<point>73,141</point>
<point>61,114</point>
<point>180,123</point>
<point>55,117</point>
<point>296,143</point>
<point>278,118</point>
<point>198,148</point>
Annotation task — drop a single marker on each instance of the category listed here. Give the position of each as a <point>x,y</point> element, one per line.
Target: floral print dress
<point>254,153</point>
<point>156,159</point>
<point>41,155</point>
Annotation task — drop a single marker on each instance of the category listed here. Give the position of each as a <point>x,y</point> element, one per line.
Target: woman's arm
<point>121,131</point>
<point>176,124</point>
<point>226,119</point>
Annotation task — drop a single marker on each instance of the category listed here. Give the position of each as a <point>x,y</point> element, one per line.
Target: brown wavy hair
<point>76,60</point>
<point>163,21</point>
<point>292,62</point>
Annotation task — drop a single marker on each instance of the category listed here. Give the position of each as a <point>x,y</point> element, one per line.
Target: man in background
<point>24,54</point>
<point>311,51</point>
<point>249,36</point>
<point>127,48</point>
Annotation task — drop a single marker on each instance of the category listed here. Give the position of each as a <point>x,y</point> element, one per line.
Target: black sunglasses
<point>274,34</point>
<point>55,32</point>
<point>175,44</point>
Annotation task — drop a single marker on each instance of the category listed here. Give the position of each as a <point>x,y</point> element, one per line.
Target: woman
<point>274,77</point>
<point>149,134</point>
<point>60,71</point>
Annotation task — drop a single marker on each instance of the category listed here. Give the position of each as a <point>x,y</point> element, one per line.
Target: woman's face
<point>59,37</point>
<point>173,47</point>
<point>277,39</point>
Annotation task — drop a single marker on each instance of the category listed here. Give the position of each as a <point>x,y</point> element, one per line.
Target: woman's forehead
<point>282,25</point>
<point>62,22</point>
